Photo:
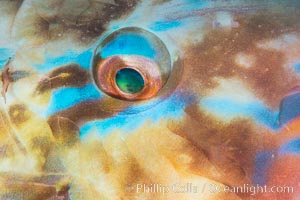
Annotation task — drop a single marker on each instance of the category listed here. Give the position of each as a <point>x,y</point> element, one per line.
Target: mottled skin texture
<point>239,54</point>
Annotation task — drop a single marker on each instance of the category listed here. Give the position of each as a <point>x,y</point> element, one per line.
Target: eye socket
<point>131,64</point>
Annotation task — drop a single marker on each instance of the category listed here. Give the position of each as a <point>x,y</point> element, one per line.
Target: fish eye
<point>131,64</point>
<point>129,80</point>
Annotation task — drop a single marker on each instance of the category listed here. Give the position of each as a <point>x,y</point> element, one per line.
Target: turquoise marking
<point>297,68</point>
<point>4,55</point>
<point>172,108</point>
<point>83,59</point>
<point>64,98</point>
<point>164,25</point>
<point>129,44</point>
<point>229,109</point>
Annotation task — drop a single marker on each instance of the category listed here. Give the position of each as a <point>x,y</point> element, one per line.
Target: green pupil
<point>129,80</point>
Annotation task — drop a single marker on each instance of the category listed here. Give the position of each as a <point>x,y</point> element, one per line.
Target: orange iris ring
<point>148,69</point>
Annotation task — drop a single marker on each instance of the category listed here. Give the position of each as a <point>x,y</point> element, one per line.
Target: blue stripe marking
<point>171,108</point>
<point>5,53</point>
<point>129,43</point>
<point>263,162</point>
<point>290,108</point>
<point>297,68</point>
<point>291,147</point>
<point>164,25</point>
<point>64,98</point>
<point>83,59</point>
<point>229,109</point>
